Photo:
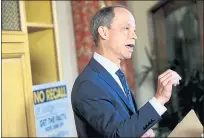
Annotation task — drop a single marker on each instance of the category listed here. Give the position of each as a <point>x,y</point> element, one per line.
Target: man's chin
<point>127,57</point>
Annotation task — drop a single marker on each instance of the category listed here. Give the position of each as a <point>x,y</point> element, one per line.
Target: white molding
<point>67,50</point>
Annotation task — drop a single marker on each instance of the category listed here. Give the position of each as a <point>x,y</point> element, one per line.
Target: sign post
<point>51,110</point>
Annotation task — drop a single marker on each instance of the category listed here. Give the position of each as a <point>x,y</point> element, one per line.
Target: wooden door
<point>17,96</point>
<point>17,108</point>
<point>14,122</point>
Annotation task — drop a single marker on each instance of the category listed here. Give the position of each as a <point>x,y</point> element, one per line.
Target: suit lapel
<point>134,102</point>
<point>105,75</point>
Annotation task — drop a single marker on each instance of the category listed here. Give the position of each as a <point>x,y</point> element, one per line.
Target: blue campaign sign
<point>51,110</point>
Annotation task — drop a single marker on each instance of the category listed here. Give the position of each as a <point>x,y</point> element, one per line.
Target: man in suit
<point>102,101</point>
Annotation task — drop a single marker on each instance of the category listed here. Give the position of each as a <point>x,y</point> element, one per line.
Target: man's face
<point>122,34</point>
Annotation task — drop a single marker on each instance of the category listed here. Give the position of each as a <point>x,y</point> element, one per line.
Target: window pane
<point>10,16</point>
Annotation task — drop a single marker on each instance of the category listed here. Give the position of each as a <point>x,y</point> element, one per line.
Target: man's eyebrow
<point>130,25</point>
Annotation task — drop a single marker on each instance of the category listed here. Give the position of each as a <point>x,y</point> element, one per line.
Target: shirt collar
<point>106,63</point>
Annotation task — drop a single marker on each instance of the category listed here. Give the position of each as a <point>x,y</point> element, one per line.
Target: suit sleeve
<point>98,110</point>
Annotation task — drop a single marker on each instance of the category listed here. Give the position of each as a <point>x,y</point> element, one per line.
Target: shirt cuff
<point>161,109</point>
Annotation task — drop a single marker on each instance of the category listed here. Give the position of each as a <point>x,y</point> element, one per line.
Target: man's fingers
<point>167,75</point>
<point>164,83</point>
<point>176,75</point>
<point>175,79</point>
<point>173,76</point>
<point>163,74</point>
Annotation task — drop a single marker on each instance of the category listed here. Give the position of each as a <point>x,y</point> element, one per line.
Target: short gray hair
<point>103,17</point>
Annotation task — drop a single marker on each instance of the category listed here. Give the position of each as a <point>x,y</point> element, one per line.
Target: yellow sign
<point>49,94</point>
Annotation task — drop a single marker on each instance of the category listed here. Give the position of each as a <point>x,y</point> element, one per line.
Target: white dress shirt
<point>112,68</point>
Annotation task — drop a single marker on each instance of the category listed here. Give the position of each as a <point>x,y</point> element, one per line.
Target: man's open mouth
<point>130,45</point>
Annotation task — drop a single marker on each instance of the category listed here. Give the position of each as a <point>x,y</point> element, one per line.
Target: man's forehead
<point>123,16</point>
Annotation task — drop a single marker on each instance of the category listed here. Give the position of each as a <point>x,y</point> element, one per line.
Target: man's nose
<point>133,35</point>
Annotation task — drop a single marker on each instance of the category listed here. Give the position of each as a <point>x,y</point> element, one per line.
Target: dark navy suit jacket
<point>102,110</point>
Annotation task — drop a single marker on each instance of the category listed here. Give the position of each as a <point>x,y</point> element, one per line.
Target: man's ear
<point>103,32</point>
